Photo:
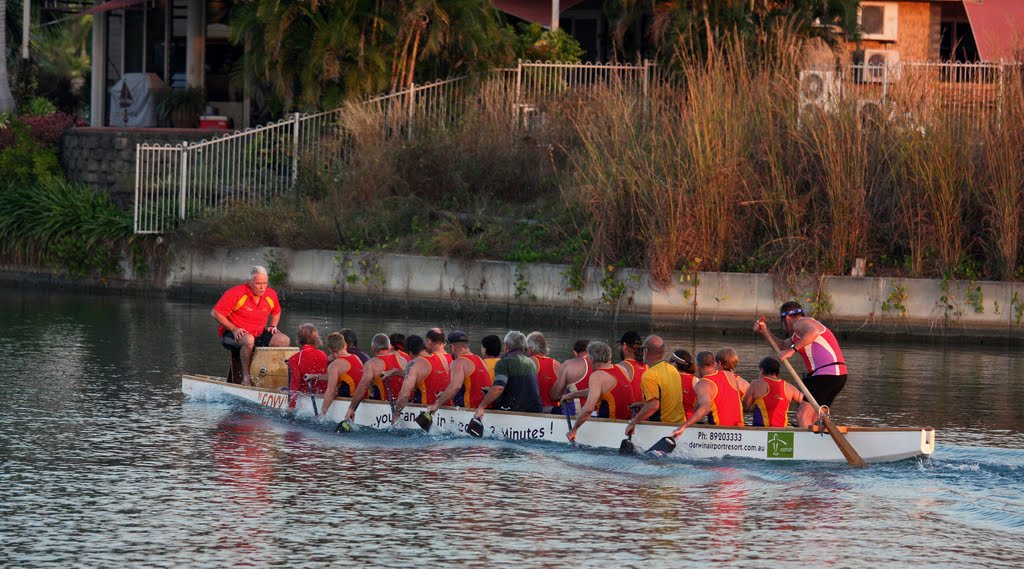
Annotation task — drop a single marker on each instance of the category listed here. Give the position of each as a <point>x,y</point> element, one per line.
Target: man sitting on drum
<point>242,313</point>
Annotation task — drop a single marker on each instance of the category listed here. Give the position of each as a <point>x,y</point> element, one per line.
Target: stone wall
<point>104,158</point>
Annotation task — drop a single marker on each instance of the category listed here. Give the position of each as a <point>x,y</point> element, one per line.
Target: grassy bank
<point>717,170</point>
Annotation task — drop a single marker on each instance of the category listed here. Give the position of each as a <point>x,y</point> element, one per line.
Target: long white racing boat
<point>697,442</point>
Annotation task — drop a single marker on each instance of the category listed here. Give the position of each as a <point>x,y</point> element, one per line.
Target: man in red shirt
<point>242,313</point>
<point>309,361</point>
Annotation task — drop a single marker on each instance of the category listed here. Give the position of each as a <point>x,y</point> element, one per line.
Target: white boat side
<point>698,442</point>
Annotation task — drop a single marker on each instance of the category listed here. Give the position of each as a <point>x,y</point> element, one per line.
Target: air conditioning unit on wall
<point>881,66</point>
<point>819,89</point>
<point>878,21</point>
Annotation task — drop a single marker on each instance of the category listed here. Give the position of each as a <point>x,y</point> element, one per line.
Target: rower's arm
<point>753,392</point>
<point>704,397</point>
<point>334,372</point>
<point>581,394</point>
<point>492,395</point>
<point>651,406</point>
<point>369,372</point>
<point>593,396</point>
<point>411,377</point>
<point>561,380</point>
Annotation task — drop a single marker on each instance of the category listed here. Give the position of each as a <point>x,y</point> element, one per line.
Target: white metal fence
<point>173,183</point>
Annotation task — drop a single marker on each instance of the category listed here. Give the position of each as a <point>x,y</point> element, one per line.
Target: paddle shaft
<point>312,397</point>
<point>568,421</point>
<point>850,453</point>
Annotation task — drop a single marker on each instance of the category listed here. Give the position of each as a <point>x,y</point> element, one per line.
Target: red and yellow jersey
<point>689,382</point>
<point>584,382</point>
<point>726,407</point>
<point>308,360</point>
<point>350,379</point>
<point>246,311</point>
<point>379,391</point>
<point>546,378</point>
<point>638,372</point>
<point>436,381</point>
<point>472,386</point>
<point>615,403</point>
<point>490,365</point>
<point>772,409</point>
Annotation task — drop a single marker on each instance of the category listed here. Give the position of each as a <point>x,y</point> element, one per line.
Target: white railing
<point>189,180</point>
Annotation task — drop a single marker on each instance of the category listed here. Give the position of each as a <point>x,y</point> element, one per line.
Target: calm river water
<point>105,464</point>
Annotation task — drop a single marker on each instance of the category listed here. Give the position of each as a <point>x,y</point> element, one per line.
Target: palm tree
<point>6,98</point>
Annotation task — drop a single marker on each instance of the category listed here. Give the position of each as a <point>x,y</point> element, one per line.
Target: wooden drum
<point>269,368</point>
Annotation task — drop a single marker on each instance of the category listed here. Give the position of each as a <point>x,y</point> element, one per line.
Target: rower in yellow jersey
<point>662,388</point>
<point>490,349</point>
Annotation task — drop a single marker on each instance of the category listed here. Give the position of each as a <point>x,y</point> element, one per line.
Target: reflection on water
<point>105,464</point>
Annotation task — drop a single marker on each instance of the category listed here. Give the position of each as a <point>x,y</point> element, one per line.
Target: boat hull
<point>698,442</point>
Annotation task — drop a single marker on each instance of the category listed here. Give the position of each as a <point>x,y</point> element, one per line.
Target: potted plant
<point>182,107</point>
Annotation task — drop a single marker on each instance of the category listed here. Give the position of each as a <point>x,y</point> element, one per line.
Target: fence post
<point>138,165</point>
<point>410,109</point>
<point>184,181</point>
<point>295,152</point>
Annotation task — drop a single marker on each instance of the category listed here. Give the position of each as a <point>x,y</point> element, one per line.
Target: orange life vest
<point>726,408</point>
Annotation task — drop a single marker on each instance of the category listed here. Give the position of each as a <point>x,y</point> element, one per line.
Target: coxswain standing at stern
<point>817,345</point>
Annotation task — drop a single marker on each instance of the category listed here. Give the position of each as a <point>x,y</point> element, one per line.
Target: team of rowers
<point>515,373</point>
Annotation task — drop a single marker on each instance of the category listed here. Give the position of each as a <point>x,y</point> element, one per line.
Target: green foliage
<point>538,44</point>
<point>314,54</point>
<point>27,162</point>
<point>277,275</point>
<point>522,284</point>
<point>37,107</point>
<point>896,301</point>
<point>68,226</point>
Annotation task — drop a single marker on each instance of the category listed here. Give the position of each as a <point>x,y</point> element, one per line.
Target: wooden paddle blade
<point>665,445</point>
<point>425,420</point>
<point>851,454</point>
<point>343,427</point>
<point>627,447</point>
<point>475,427</point>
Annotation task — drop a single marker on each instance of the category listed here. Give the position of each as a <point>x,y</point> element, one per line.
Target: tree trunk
<point>6,99</point>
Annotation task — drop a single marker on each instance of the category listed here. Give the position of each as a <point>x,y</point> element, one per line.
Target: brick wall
<point>917,34</point>
<point>104,158</point>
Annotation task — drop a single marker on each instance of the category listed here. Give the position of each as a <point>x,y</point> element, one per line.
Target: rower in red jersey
<point>469,376</point>
<point>383,366</point>
<point>631,353</point>
<point>434,341</point>
<point>608,388</point>
<point>308,361</point>
<point>429,375</point>
<point>547,369</point>
<point>343,373</point>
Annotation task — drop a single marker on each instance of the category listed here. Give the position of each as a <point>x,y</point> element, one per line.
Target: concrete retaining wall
<point>706,300</point>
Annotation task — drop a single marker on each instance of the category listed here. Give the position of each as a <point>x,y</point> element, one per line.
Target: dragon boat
<point>698,442</point>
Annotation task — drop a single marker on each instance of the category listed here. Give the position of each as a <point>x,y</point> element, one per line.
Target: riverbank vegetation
<point>718,168</point>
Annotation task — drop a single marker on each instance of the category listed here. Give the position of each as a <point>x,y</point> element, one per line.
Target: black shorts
<point>262,341</point>
<point>824,388</point>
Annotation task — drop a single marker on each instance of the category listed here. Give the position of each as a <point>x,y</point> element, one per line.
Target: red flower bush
<point>47,129</point>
